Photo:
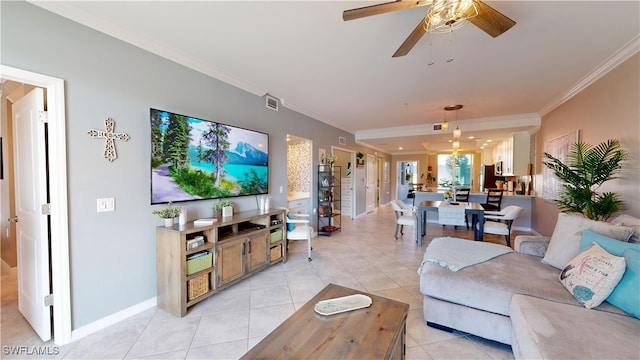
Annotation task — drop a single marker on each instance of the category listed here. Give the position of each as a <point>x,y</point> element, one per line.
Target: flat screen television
<point>196,159</point>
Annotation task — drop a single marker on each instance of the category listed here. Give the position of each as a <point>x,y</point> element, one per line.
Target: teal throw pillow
<point>626,295</point>
<point>612,246</point>
<point>290,226</point>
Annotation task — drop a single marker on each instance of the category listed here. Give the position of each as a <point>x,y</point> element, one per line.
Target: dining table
<point>474,209</point>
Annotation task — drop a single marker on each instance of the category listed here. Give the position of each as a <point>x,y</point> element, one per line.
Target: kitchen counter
<point>522,223</point>
<point>475,193</point>
<point>297,196</point>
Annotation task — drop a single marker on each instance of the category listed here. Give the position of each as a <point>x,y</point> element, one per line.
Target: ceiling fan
<point>484,17</point>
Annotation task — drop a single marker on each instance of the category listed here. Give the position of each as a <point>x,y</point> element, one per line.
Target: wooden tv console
<point>239,246</point>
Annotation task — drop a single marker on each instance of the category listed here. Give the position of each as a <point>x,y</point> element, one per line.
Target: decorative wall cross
<point>109,136</point>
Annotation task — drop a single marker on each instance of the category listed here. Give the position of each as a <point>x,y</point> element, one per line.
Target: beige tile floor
<point>364,256</point>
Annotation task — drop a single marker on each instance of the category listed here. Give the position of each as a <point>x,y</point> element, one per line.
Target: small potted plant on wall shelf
<point>223,208</point>
<point>359,159</point>
<point>168,214</point>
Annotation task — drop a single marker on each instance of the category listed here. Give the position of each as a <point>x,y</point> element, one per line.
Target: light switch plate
<point>106,204</point>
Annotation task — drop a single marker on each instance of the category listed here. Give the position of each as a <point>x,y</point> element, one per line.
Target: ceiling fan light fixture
<point>445,16</point>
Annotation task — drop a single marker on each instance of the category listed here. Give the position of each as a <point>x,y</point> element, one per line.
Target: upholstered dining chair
<point>404,216</point>
<point>462,195</point>
<point>501,221</point>
<point>494,200</point>
<point>298,228</point>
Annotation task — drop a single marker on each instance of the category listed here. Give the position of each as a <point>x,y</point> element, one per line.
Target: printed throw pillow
<point>592,275</point>
<point>565,240</point>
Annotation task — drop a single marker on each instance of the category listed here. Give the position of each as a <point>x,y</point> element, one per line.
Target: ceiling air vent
<point>272,102</point>
<point>437,127</point>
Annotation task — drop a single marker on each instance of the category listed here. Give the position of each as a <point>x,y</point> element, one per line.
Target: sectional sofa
<point>521,299</point>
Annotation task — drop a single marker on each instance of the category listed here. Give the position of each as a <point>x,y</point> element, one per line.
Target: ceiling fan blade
<point>382,8</point>
<point>411,40</point>
<point>490,20</point>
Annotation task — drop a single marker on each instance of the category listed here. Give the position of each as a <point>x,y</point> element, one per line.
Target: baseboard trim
<point>112,319</point>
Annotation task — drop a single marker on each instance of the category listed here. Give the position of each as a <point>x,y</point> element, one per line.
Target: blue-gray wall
<point>113,254</point>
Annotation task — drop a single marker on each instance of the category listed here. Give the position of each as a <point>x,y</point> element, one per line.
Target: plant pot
<point>217,214</point>
<point>227,211</point>
<point>168,222</point>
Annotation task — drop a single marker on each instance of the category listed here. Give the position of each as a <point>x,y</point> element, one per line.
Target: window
<point>463,164</point>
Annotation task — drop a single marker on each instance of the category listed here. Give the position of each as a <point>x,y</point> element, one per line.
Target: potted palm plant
<point>583,172</point>
<point>168,214</point>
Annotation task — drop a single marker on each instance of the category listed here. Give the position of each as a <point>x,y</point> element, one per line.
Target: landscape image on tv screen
<point>194,159</point>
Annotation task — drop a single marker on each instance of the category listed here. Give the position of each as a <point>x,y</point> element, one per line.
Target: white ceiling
<point>342,73</point>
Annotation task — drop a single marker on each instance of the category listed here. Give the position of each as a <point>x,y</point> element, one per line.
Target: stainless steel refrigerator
<point>487,177</point>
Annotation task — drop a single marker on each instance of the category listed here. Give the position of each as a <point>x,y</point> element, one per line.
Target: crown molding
<point>628,50</point>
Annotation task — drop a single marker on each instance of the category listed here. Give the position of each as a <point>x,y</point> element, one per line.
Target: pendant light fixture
<point>457,133</point>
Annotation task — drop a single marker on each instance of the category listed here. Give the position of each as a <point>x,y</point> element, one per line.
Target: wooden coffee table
<point>376,332</point>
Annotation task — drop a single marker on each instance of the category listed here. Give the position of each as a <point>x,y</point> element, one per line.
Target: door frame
<point>352,160</point>
<point>57,145</point>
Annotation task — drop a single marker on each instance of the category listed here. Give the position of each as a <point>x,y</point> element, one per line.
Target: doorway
<point>299,174</point>
<point>407,180</point>
<point>57,227</point>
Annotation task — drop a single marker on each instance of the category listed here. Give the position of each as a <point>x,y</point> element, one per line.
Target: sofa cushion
<point>626,295</point>
<point>550,330</point>
<point>592,275</point>
<point>612,246</point>
<point>629,221</point>
<point>565,240</point>
<point>489,285</point>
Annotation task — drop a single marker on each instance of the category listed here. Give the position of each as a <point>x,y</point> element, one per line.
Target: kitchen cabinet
<point>515,154</point>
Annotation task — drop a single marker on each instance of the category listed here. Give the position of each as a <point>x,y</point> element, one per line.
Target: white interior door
<point>32,226</point>
<point>371,182</point>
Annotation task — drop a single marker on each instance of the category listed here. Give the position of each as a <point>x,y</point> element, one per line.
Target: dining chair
<point>494,200</point>
<point>501,221</point>
<point>404,216</point>
<point>462,195</point>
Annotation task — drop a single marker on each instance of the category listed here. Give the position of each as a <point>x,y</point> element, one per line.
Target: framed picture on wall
<point>558,148</point>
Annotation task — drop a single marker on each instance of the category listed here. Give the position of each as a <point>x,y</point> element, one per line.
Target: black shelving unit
<point>329,197</point>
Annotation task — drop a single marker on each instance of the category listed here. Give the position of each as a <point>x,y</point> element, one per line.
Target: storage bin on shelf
<point>275,236</point>
<point>197,286</point>
<point>275,253</point>
<point>199,262</point>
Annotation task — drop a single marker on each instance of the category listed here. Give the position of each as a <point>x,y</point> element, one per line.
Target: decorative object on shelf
<point>331,160</point>
<point>219,208</point>
<point>359,159</point>
<point>322,156</point>
<point>582,172</point>
<point>110,136</point>
<point>182,218</point>
<point>168,214</point>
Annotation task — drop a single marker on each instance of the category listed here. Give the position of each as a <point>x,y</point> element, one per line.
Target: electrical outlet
<point>106,204</point>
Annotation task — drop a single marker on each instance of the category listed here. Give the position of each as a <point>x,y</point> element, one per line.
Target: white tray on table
<point>342,304</point>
